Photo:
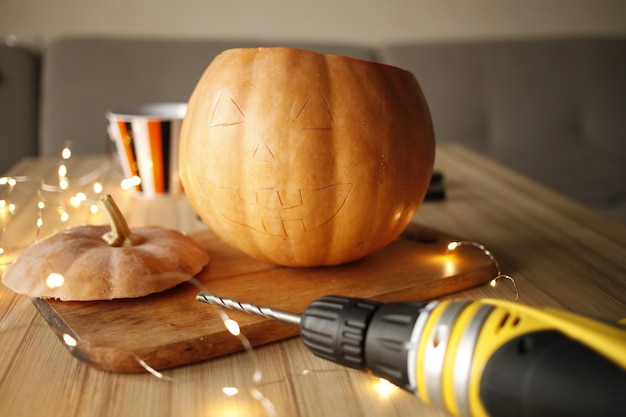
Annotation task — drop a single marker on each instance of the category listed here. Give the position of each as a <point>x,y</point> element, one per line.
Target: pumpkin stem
<point>120,234</point>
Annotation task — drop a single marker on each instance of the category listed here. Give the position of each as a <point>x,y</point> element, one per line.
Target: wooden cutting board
<point>172,328</point>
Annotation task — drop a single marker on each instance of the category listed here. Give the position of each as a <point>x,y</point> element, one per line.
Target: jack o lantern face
<point>305,159</point>
<point>268,202</point>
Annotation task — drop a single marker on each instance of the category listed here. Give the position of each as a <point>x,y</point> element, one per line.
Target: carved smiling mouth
<point>282,213</point>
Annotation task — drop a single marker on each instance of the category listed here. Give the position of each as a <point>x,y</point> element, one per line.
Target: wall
<point>354,21</point>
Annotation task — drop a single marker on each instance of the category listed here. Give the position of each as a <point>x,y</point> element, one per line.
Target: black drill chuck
<point>334,328</point>
<point>361,334</point>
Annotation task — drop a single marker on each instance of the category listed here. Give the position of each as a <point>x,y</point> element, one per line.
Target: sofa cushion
<point>19,104</point>
<point>83,78</point>
<point>554,110</point>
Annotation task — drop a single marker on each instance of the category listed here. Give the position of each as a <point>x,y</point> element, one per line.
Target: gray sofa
<point>552,109</point>
<point>19,104</point>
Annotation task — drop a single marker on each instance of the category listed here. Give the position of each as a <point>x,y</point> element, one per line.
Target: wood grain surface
<point>171,328</point>
<point>561,255</point>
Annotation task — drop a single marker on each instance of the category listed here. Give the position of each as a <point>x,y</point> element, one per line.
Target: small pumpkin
<point>102,262</point>
<point>305,159</point>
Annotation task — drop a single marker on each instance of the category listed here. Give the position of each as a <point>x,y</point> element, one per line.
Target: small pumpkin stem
<point>120,234</point>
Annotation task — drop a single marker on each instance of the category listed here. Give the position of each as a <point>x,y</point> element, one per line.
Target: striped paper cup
<point>146,140</point>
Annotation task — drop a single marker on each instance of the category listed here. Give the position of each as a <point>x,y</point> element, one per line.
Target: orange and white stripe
<point>148,148</point>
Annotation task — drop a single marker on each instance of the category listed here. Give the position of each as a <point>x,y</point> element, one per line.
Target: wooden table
<point>559,253</point>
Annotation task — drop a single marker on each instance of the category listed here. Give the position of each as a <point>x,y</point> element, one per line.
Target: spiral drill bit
<point>270,313</point>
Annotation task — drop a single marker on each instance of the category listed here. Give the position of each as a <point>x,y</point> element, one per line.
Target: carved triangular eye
<point>263,153</point>
<point>226,111</point>
<point>315,113</point>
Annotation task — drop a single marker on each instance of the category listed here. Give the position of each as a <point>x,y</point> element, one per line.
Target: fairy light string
<point>232,326</point>
<point>69,196</point>
<point>58,203</point>
<point>84,191</point>
<point>257,375</point>
<point>499,275</point>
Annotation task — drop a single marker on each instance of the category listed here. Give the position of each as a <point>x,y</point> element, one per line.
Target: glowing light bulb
<point>64,183</point>
<point>55,280</point>
<point>7,207</point>
<point>384,387</point>
<point>230,391</point>
<point>128,183</point>
<point>69,340</point>
<point>66,153</point>
<point>453,245</point>
<point>97,187</point>
<point>75,201</point>
<point>64,216</point>
<point>62,171</point>
<point>232,326</point>
<point>94,209</point>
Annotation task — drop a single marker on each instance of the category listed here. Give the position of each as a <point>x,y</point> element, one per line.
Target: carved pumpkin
<point>305,159</point>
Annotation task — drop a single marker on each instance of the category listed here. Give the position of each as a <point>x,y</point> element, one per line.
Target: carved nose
<point>263,153</point>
